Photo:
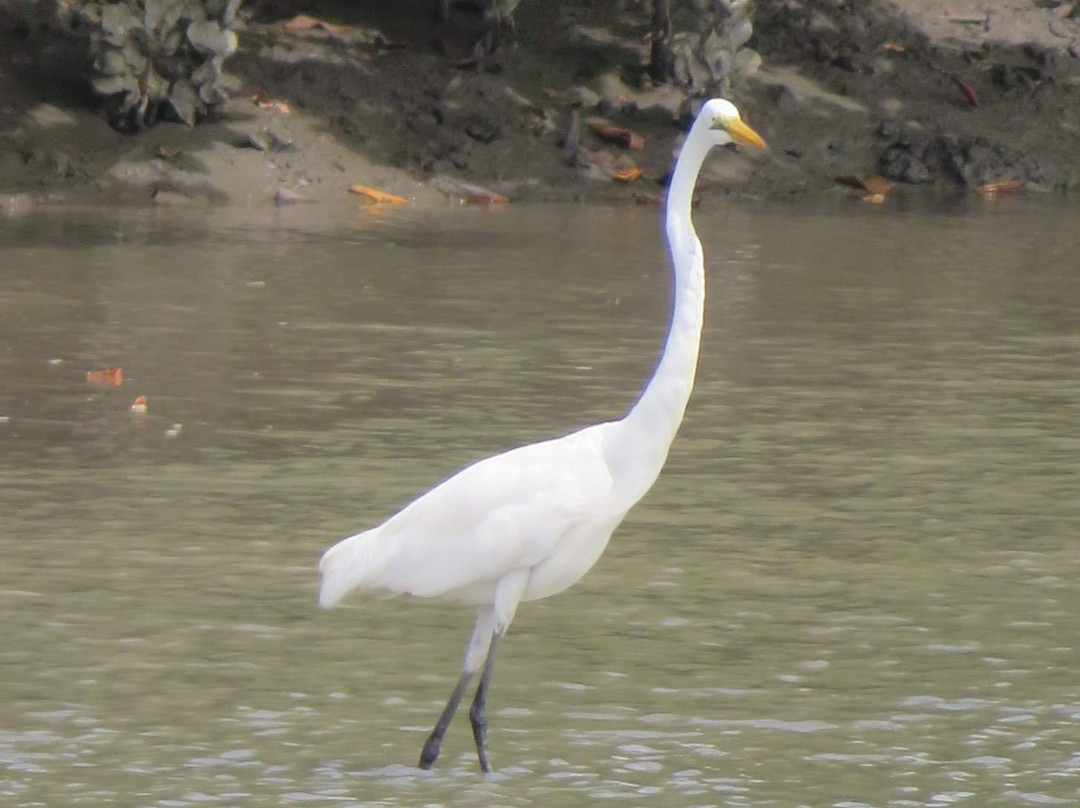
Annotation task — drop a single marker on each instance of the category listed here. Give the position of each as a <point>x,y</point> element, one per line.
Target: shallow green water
<point>856,583</point>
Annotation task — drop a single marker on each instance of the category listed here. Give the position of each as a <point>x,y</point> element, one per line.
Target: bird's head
<point>725,125</point>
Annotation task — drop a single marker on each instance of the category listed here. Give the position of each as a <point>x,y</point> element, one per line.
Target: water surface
<point>856,583</point>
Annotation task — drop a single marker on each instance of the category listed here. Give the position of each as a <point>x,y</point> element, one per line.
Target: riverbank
<point>982,97</point>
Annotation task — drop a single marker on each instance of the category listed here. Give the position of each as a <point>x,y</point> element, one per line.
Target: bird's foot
<point>430,753</point>
<point>479,728</point>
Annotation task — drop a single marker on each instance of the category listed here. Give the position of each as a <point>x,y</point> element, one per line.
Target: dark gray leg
<point>476,714</point>
<point>431,746</point>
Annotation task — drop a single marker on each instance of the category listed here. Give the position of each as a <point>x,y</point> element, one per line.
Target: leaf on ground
<point>628,174</point>
<point>995,188</point>
<point>377,196</point>
<point>615,134</point>
<point>305,22</point>
<point>266,103</point>
<point>871,183</point>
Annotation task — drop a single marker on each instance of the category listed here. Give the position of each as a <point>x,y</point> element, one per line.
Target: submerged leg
<point>508,593</point>
<point>491,623</point>
<point>478,646</point>
<point>431,746</point>
<point>477,716</point>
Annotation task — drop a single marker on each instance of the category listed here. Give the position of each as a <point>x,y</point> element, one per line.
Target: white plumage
<point>482,523</point>
<point>529,522</point>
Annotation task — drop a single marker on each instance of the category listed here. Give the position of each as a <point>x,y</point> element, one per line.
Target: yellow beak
<point>741,133</point>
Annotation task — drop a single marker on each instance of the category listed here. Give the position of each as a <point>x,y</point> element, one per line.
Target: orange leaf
<point>872,183</point>
<point>378,197</point>
<point>305,22</point>
<point>110,377</point>
<point>874,199</point>
<point>876,184</point>
<point>628,174</point>
<point>995,188</point>
<point>614,134</point>
<point>892,46</point>
<point>139,405</point>
<point>280,106</point>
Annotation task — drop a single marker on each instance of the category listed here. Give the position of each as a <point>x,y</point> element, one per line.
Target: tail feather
<point>344,567</point>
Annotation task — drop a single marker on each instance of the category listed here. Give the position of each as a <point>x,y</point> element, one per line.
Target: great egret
<point>528,523</point>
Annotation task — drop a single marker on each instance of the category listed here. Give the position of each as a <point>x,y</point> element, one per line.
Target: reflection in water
<point>854,586</point>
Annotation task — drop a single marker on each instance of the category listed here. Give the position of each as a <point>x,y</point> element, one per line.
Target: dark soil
<point>392,98</point>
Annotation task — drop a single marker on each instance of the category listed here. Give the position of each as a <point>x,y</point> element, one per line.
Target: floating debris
<point>138,406</point>
<point>377,196</point>
<point>55,362</point>
<point>174,430</point>
<point>110,377</point>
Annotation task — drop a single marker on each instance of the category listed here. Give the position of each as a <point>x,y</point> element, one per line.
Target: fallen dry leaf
<point>379,197</point>
<point>165,153</point>
<point>967,90</point>
<point>138,406</point>
<point>874,199</point>
<point>628,174</point>
<point>110,377</point>
<point>305,22</point>
<point>892,46</point>
<point>876,184</point>
<point>995,188</point>
<point>872,183</point>
<point>618,135</point>
<point>280,106</point>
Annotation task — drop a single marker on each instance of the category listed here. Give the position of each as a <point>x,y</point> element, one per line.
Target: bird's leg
<point>431,746</point>
<point>477,716</point>
<point>508,593</point>
<point>478,646</point>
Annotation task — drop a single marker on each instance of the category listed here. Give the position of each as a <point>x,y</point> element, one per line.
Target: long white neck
<point>642,438</point>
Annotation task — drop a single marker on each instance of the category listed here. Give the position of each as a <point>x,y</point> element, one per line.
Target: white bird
<point>530,522</point>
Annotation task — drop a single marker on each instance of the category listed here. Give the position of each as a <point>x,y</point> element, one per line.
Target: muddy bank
<point>396,100</point>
